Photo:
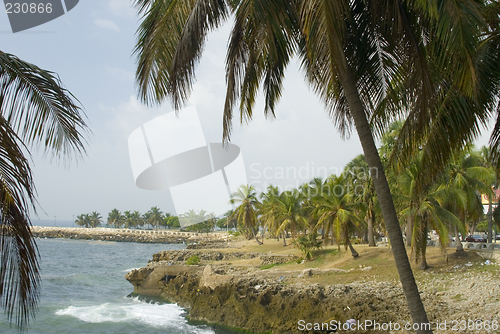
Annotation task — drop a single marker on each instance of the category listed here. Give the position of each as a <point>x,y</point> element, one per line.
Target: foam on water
<point>133,310</point>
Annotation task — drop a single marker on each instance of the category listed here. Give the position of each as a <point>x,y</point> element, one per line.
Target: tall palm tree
<point>361,183</point>
<point>83,220</point>
<point>246,211</point>
<point>338,211</point>
<point>362,58</point>
<point>289,212</point>
<point>95,219</point>
<point>115,218</point>
<point>130,218</point>
<point>267,211</point>
<point>35,109</point>
<point>428,210</point>
<point>465,172</point>
<point>155,216</point>
<point>488,162</point>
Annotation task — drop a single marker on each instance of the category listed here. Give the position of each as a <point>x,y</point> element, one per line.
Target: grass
<point>380,259</point>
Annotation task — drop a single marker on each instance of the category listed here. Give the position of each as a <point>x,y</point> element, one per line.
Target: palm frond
<point>19,277</point>
<point>39,109</point>
<point>170,41</point>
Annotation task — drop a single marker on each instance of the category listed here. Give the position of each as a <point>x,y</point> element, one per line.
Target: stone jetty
<point>130,235</point>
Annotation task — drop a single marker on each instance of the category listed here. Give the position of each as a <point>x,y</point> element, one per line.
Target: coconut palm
<point>338,212</point>
<point>35,109</point>
<point>359,180</point>
<point>83,220</point>
<point>465,172</point>
<point>289,212</point>
<point>488,162</point>
<point>131,219</point>
<point>154,217</point>
<point>95,219</point>
<point>362,58</point>
<point>246,211</point>
<point>267,211</point>
<point>427,211</point>
<point>115,218</point>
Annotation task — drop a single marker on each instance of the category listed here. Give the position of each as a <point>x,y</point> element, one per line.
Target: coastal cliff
<point>279,301</point>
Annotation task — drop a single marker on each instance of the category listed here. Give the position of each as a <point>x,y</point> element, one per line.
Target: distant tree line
<point>154,218</point>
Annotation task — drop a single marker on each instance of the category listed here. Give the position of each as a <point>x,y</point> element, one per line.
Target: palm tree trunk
<point>460,247</point>
<point>284,238</point>
<point>423,258</point>
<point>415,305</point>
<point>353,251</point>
<point>255,236</point>
<point>371,240</point>
<point>409,230</point>
<point>490,222</point>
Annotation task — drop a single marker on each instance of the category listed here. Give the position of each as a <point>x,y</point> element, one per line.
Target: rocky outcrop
<point>180,256</point>
<point>276,301</point>
<point>261,304</point>
<point>277,259</point>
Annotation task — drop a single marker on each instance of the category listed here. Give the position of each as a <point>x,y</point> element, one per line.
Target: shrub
<point>307,244</point>
<point>193,260</point>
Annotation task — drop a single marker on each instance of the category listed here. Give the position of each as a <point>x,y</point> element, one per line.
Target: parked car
<point>497,237</point>
<point>475,238</point>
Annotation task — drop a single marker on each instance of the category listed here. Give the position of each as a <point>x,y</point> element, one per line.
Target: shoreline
<point>130,235</point>
<point>231,288</point>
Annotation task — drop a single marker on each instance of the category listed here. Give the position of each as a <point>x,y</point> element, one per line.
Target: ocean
<point>84,291</point>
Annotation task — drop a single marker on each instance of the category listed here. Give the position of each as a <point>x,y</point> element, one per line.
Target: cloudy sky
<point>90,48</point>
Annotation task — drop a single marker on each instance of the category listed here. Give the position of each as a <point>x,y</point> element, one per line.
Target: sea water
<point>84,291</point>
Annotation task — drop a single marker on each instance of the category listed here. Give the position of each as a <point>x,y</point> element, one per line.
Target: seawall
<point>128,235</point>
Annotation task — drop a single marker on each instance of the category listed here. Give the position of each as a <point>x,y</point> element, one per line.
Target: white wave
<point>157,315</point>
<point>129,270</point>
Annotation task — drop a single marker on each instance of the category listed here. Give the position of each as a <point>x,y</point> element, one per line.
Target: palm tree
<point>488,162</point>
<point>95,219</point>
<point>289,212</point>
<point>115,218</point>
<point>465,172</point>
<point>83,220</point>
<point>338,212</point>
<point>130,219</point>
<point>267,211</point>
<point>35,109</point>
<point>154,217</point>
<point>246,211</point>
<point>359,179</point>
<point>363,59</point>
<point>424,211</point>
<point>165,219</point>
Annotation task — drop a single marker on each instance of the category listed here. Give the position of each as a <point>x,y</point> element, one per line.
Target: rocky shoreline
<point>273,301</point>
<point>218,240</point>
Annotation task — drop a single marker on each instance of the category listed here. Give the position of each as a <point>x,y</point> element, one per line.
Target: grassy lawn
<point>373,263</point>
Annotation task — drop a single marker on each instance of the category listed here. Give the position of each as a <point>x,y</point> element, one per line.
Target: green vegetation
<point>193,260</point>
<point>93,219</point>
<point>307,244</point>
<point>154,218</point>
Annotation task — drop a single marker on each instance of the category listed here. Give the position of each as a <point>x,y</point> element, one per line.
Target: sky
<point>90,48</point>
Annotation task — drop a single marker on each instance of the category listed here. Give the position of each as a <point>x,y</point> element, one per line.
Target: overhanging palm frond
<point>170,41</point>
<point>264,38</point>
<point>39,109</point>
<point>35,109</point>
<point>19,277</point>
